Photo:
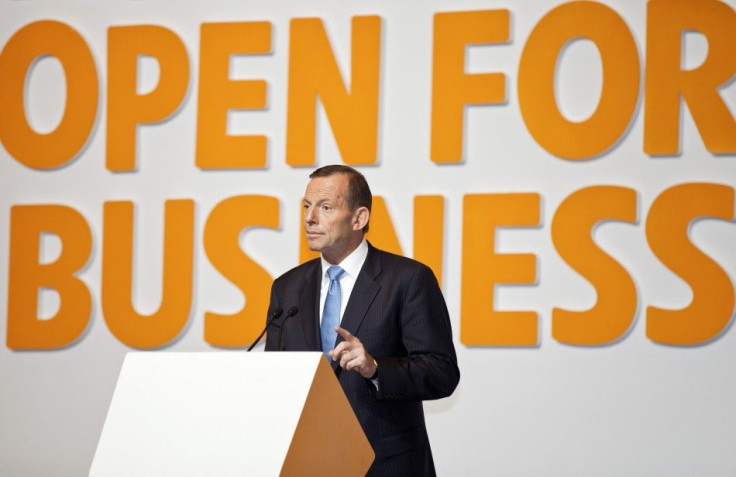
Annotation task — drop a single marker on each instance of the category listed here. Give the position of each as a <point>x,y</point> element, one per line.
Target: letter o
<point>619,95</point>
<point>35,40</point>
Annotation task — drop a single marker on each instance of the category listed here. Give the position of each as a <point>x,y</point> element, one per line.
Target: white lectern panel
<point>201,414</point>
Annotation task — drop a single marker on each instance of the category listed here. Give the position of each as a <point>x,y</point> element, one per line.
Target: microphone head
<point>277,312</point>
<point>292,311</point>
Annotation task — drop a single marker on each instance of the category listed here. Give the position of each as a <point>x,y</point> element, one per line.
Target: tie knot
<point>334,272</point>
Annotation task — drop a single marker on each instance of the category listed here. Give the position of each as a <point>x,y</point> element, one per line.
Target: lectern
<point>223,413</point>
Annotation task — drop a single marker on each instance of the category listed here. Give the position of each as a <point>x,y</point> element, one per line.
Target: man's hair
<point>359,194</point>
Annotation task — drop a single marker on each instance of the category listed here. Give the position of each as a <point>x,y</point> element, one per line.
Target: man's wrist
<point>375,372</point>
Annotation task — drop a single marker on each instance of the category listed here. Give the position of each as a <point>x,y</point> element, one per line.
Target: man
<point>393,346</point>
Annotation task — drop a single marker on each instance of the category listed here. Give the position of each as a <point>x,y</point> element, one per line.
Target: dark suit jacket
<point>398,312</point>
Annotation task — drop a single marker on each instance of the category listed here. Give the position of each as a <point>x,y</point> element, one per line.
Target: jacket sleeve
<point>272,332</point>
<point>429,369</point>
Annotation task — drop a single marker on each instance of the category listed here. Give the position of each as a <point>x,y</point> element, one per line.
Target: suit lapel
<point>364,292</point>
<point>309,307</point>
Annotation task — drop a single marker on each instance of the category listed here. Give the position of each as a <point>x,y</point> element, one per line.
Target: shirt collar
<point>352,263</point>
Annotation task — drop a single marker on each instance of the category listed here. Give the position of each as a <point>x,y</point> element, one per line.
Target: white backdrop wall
<point>631,407</point>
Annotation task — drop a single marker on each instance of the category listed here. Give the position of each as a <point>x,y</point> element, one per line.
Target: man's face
<point>331,226</point>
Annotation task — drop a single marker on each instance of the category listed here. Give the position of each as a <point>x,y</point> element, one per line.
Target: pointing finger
<point>344,333</point>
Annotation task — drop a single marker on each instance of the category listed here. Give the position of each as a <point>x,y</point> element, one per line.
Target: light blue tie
<point>331,313</point>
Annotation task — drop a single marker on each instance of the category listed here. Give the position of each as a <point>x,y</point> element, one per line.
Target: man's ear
<point>360,218</point>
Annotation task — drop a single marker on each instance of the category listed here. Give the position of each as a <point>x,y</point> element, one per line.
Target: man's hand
<point>352,356</point>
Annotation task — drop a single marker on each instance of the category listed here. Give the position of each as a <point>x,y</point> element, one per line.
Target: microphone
<point>289,313</point>
<point>276,313</point>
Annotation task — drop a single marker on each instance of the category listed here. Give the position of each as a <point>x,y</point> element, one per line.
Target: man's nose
<point>309,215</point>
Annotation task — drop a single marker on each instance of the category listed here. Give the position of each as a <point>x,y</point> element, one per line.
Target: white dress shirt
<point>352,265</point>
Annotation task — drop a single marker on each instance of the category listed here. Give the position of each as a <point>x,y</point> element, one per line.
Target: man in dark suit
<point>393,346</point>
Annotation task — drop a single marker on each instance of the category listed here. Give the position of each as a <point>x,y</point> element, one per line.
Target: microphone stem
<point>274,315</point>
